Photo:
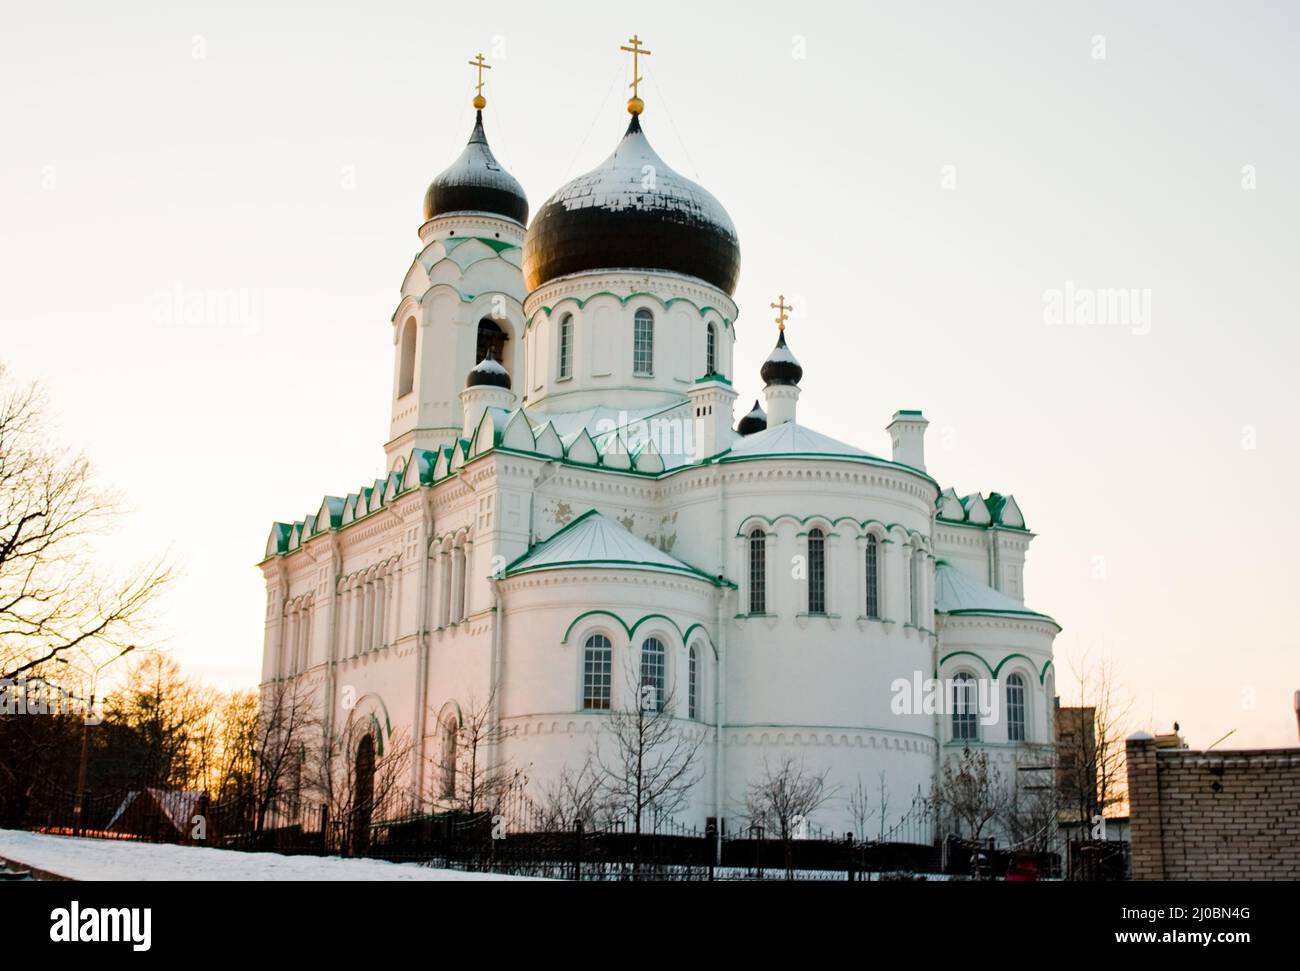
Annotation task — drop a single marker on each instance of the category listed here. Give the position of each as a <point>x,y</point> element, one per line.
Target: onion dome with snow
<point>781,366</point>
<point>488,372</point>
<point>476,182</point>
<point>755,421</point>
<point>632,212</point>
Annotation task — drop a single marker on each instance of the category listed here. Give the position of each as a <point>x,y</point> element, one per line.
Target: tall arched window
<point>566,346</point>
<point>914,582</point>
<point>406,371</point>
<point>491,340</point>
<point>711,350</point>
<point>873,576</point>
<point>1015,708</point>
<point>643,343</point>
<point>816,571</point>
<point>597,672</point>
<point>449,734</point>
<point>693,688</point>
<point>757,571</point>
<point>964,709</point>
<point>654,666</point>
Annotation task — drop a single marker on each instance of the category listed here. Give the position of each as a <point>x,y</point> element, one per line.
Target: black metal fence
<point>521,840</point>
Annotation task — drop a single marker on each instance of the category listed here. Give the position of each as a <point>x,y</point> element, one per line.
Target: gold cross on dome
<point>637,52</point>
<point>782,311</point>
<point>480,65</point>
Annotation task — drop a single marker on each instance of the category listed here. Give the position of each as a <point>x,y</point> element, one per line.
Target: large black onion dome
<point>781,366</point>
<point>476,182</point>
<point>632,212</point>
<point>755,421</point>
<point>488,372</point>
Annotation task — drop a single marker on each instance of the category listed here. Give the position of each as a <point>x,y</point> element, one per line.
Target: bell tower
<point>462,298</point>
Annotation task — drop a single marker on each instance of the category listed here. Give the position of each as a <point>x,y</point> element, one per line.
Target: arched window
<point>693,686</point>
<point>653,674</point>
<point>449,739</point>
<point>491,338</point>
<point>711,350</point>
<point>964,709</point>
<point>816,571</point>
<point>406,372</point>
<point>873,576</point>
<point>1015,708</point>
<point>597,672</point>
<point>914,581</point>
<point>566,346</point>
<point>643,343</point>
<point>757,571</point>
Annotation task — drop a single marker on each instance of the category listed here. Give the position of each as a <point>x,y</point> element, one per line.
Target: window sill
<point>802,619</point>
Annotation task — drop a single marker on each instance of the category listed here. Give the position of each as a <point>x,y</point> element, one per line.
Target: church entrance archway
<point>364,805</point>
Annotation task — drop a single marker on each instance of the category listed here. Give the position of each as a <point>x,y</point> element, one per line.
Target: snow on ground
<point>94,859</point>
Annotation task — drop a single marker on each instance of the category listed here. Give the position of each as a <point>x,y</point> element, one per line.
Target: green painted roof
<point>593,541</point>
<point>956,594</point>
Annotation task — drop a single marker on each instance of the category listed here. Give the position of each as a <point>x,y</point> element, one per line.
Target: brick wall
<point>1213,815</point>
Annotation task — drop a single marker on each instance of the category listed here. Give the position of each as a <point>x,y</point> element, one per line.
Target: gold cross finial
<point>635,105</point>
<point>782,311</point>
<point>481,65</point>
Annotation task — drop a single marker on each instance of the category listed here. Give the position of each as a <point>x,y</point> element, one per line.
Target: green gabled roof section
<point>997,511</point>
<point>595,542</point>
<point>956,594</point>
<point>715,376</point>
<point>330,514</point>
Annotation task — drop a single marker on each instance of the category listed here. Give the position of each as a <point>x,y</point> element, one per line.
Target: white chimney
<point>712,400</point>
<point>907,432</point>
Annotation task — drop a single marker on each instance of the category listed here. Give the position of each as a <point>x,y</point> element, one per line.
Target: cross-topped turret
<point>635,105</point>
<point>782,311</point>
<point>481,65</point>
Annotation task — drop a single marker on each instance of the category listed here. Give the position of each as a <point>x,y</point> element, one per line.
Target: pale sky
<point>915,177</point>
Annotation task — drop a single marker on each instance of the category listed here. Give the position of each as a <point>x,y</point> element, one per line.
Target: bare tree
<point>784,799</point>
<point>868,804</point>
<point>1090,743</point>
<point>473,777</point>
<point>359,776</point>
<point>574,796</point>
<point>52,601</point>
<point>648,758</point>
<point>970,794</point>
<point>1031,812</point>
<point>286,731</point>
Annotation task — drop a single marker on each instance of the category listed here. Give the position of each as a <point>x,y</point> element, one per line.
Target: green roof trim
<point>663,563</point>
<point>581,302</point>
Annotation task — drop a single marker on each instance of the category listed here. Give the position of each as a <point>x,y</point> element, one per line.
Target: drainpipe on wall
<point>720,667</point>
<point>331,668</point>
<point>497,672</point>
<point>422,658</point>
<point>934,660</point>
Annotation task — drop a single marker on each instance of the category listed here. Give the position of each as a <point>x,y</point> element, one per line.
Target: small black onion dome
<point>632,212</point>
<point>476,182</point>
<point>755,421</point>
<point>781,366</point>
<point>488,372</point>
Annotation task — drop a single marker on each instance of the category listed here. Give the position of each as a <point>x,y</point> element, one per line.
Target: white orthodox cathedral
<point>571,511</point>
